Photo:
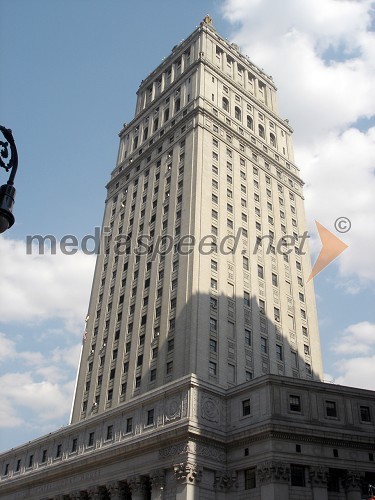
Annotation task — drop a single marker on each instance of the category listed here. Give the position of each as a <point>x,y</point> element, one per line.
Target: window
<point>31,460</point>
<point>247,337</point>
<point>213,303</point>
<point>261,131</point>
<point>6,469</point>
<point>214,265</point>
<point>272,140</point>
<point>129,424</point>
<point>250,478</point>
<point>213,345</point>
<point>249,376</point>
<point>138,382</point>
<point>110,395</point>
<point>213,325</point>
<point>212,368</point>
<point>246,299</point>
<point>365,413</point>
<point>18,466</point>
<point>170,345</point>
<point>263,345</point>
<point>306,349</point>
<point>250,123</point>
<point>246,407</point>
<point>260,272</point>
<point>225,104</point>
<point>237,113</point>
<point>276,312</point>
<point>44,456</point>
<point>297,475</point>
<point>279,352</point>
<point>58,450</point>
<point>245,261</point>
<point>213,284</point>
<point>150,417</point>
<point>331,410</point>
<point>274,279</point>
<point>294,403</point>
<point>262,306</point>
<point>109,432</point>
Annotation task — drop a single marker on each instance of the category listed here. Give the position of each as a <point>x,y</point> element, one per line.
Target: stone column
<point>115,490</point>
<point>353,485</point>
<point>137,486</point>
<point>157,484</point>
<point>188,476</point>
<point>273,479</point>
<point>318,480</point>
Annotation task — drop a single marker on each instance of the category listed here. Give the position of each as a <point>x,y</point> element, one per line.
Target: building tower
<point>204,262</point>
<point>200,371</point>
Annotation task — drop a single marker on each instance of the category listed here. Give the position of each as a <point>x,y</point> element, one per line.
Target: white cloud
<point>35,287</point>
<point>322,56</point>
<point>357,339</point>
<point>357,372</point>
<point>356,348</point>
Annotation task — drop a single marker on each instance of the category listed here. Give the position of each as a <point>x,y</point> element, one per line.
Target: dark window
<point>91,439</point>
<point>250,478</point>
<point>298,448</point>
<point>129,424</point>
<point>365,413</point>
<point>153,374</point>
<point>150,417</point>
<point>109,432</point>
<point>31,460</point>
<point>6,469</point>
<point>18,466</point>
<point>44,456</point>
<point>297,475</point>
<point>246,407</point>
<point>295,403</point>
<point>58,450</point>
<point>331,410</point>
<point>74,444</point>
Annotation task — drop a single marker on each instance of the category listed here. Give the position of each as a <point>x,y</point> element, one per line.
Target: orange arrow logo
<point>332,247</point>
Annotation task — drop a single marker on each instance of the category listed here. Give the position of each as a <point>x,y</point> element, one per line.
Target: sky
<point>69,75</point>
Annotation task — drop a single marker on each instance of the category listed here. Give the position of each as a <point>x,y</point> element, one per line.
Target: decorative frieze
<point>353,480</point>
<point>225,480</point>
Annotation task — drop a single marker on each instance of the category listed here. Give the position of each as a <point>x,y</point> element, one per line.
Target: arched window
<point>272,140</point>
<point>225,104</point>
<point>237,113</point>
<point>261,131</point>
<point>177,105</point>
<point>250,122</point>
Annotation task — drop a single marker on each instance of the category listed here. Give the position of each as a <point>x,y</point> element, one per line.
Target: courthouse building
<point>200,373</point>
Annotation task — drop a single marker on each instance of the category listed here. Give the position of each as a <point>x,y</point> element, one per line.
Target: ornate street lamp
<point>7,191</point>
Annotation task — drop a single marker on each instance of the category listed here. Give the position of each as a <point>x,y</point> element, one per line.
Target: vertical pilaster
<point>137,486</point>
<point>318,480</point>
<point>273,478</point>
<point>353,485</point>
<point>188,476</point>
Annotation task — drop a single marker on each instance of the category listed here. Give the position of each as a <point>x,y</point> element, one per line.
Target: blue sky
<point>70,71</point>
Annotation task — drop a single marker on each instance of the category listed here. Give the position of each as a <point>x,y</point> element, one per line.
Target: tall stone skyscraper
<point>200,372</point>
<point>204,262</point>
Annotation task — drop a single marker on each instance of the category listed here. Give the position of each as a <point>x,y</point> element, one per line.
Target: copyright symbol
<point>342,224</point>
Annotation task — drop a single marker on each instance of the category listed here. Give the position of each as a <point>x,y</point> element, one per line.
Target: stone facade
<point>250,441</point>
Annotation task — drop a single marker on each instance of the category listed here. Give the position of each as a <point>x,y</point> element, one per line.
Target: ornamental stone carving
<point>353,481</point>
<point>188,472</point>
<point>273,472</point>
<point>318,476</point>
<point>173,409</point>
<point>225,480</point>
<point>178,449</point>
<point>210,409</point>
<point>210,452</point>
